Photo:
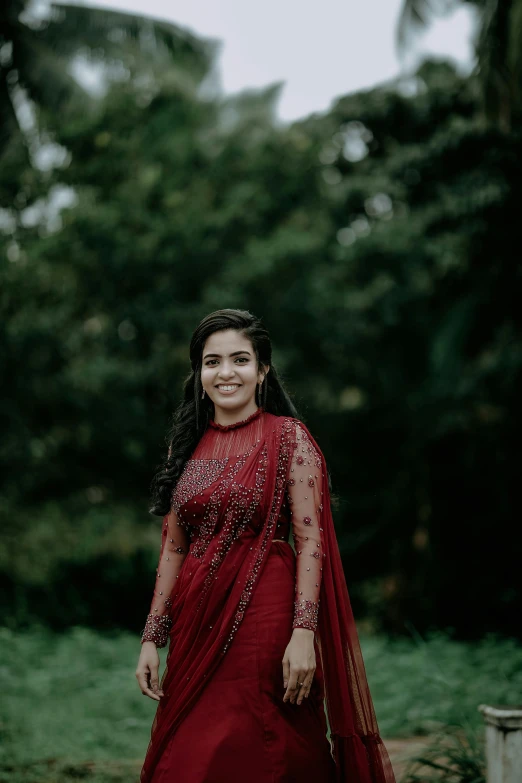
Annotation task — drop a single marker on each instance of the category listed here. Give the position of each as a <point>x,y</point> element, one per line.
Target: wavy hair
<point>190,419</point>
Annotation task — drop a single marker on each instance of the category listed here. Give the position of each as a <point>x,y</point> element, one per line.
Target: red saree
<point>228,593</point>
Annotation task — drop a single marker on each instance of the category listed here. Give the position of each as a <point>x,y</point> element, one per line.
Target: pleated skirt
<point>240,730</point>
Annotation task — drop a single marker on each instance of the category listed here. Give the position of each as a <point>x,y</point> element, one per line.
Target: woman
<point>258,635</point>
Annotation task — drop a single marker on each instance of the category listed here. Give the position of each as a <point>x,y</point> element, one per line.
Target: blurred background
<point>349,172</point>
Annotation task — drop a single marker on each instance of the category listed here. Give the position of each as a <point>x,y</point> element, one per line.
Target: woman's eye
<point>241,359</point>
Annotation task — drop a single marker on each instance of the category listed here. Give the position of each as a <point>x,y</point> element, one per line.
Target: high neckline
<point>235,424</point>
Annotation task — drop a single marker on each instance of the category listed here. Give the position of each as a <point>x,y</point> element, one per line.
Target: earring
<point>203,394</point>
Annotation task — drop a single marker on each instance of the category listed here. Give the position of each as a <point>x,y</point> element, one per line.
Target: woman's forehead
<point>227,341</point>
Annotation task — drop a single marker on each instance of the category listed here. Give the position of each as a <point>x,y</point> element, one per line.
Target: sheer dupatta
<point>358,750</point>
<point>214,592</point>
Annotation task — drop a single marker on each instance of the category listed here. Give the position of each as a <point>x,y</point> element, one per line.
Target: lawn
<point>71,708</point>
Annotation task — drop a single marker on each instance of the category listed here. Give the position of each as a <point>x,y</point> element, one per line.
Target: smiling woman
<point>242,694</point>
<point>230,375</point>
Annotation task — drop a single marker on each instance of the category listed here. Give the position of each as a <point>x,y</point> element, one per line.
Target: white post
<point>503,743</point>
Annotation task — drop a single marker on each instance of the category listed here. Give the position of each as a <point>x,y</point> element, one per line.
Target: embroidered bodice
<point>223,484</point>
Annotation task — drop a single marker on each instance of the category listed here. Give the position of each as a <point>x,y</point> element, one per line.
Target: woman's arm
<point>173,551</point>
<point>305,482</point>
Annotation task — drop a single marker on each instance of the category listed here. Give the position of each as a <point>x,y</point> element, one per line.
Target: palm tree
<point>498,49</point>
<point>37,51</point>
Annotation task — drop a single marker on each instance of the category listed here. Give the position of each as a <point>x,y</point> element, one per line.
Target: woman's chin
<point>230,402</point>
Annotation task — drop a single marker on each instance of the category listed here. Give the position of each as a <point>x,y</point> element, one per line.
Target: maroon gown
<point>229,590</point>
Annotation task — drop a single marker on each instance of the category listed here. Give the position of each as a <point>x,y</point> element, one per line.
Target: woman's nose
<point>226,373</point>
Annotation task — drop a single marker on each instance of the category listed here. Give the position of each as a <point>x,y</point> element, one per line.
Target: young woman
<point>258,634</point>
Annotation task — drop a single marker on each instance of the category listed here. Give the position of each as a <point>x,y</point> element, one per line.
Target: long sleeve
<point>305,483</point>
<point>173,551</point>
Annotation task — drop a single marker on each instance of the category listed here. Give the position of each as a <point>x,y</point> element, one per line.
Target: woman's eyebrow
<point>218,355</point>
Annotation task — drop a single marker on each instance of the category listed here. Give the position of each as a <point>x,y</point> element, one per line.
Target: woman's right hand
<point>147,671</point>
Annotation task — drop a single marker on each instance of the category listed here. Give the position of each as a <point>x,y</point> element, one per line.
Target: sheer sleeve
<point>305,484</point>
<point>173,550</point>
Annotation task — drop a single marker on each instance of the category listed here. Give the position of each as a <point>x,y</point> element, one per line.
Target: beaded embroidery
<point>297,495</point>
<point>283,458</point>
<point>157,629</point>
<point>197,475</point>
<point>306,614</point>
<point>304,495</point>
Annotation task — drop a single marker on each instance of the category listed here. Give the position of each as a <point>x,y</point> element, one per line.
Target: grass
<point>71,708</point>
<point>421,685</point>
<point>455,755</point>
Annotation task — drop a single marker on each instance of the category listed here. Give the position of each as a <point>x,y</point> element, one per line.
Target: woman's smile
<point>228,388</point>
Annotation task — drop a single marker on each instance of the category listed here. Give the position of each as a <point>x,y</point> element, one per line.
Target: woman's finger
<point>292,685</point>
<point>154,679</point>
<point>142,676</point>
<point>298,680</point>
<point>286,672</point>
<point>305,688</point>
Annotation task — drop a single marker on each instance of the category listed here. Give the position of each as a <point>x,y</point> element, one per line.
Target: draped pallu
<point>245,487</point>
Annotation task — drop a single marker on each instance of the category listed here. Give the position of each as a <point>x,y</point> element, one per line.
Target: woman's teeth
<point>228,387</point>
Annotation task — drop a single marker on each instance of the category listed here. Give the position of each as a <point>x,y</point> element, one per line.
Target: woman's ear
<point>262,375</point>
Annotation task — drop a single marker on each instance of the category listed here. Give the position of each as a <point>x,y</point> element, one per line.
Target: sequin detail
<point>241,507</point>
<point>197,475</point>
<point>306,614</point>
<point>212,508</point>
<point>304,496</point>
<point>263,545</point>
<point>157,629</point>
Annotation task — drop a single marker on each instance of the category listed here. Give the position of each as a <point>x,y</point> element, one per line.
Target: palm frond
<point>416,15</point>
<point>9,128</point>
<point>514,49</point>
<point>43,50</point>
<point>44,74</point>
<point>104,33</point>
<point>495,73</point>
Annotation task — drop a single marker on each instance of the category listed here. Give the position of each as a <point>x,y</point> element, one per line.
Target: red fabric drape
<point>214,593</point>
<point>358,749</point>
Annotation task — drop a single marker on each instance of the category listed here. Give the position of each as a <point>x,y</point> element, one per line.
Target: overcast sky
<point>320,49</point>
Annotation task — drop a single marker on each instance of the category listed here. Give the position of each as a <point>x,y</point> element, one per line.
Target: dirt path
<point>402,750</point>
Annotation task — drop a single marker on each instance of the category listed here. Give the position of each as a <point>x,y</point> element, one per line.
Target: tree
<point>498,49</point>
<point>37,51</point>
<point>376,241</point>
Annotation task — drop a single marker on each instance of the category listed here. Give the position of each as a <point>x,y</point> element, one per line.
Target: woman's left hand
<point>299,665</point>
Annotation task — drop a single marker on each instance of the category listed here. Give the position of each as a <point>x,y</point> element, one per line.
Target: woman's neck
<point>226,418</point>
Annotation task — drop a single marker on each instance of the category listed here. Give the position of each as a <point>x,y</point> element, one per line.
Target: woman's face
<point>229,372</point>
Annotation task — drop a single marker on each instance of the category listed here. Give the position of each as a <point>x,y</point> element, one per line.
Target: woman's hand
<point>299,665</point>
<point>147,671</point>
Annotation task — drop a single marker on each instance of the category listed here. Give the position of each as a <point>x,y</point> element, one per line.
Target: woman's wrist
<point>157,629</point>
<point>304,632</point>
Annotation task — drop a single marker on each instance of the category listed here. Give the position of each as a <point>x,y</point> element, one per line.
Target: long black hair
<point>190,419</point>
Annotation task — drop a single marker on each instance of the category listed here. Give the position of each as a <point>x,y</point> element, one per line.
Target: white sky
<point>321,50</point>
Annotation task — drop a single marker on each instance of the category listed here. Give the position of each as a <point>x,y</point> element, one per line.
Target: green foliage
<point>497,47</point>
<point>90,713</point>
<point>377,243</point>
<point>41,45</point>
<point>454,756</point>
